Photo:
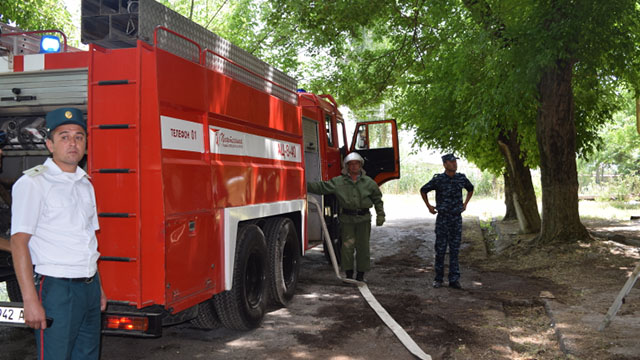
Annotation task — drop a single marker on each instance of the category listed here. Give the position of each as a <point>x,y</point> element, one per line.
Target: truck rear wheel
<point>243,307</point>
<point>284,259</point>
<point>13,290</point>
<point>207,317</point>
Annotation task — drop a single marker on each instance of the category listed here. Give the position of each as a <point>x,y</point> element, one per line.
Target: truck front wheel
<point>284,259</point>
<point>243,307</point>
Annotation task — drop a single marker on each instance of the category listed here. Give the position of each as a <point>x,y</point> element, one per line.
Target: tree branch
<point>485,17</point>
<point>216,14</point>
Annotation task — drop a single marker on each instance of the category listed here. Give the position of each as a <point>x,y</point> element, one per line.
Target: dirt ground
<point>581,281</point>
<point>524,303</point>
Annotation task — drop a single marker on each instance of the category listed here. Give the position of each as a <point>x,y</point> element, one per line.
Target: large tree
<point>547,68</point>
<point>557,44</point>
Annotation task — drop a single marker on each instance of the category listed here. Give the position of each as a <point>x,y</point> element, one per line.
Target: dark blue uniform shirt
<point>448,191</point>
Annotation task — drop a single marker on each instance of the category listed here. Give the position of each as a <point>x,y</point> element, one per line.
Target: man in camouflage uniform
<point>356,193</point>
<point>449,206</point>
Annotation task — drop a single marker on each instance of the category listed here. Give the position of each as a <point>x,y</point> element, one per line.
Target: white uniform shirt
<point>58,209</point>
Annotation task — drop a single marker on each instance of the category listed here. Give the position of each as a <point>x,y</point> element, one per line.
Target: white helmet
<point>353,156</point>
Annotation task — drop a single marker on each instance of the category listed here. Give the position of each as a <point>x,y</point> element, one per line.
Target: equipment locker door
<point>377,143</point>
<point>313,173</point>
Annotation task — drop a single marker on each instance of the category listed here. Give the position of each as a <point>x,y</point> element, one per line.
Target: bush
<point>486,184</point>
<point>622,188</point>
<point>412,177</point>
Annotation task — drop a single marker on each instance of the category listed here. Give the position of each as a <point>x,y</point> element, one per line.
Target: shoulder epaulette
<point>35,171</point>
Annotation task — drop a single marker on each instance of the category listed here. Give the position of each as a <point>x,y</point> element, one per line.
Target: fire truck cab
<point>199,154</point>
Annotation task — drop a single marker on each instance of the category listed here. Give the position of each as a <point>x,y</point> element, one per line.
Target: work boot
<point>437,284</point>
<point>349,274</point>
<point>455,285</point>
<point>360,276</point>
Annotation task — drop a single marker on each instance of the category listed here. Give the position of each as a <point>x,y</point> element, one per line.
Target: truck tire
<point>283,264</point>
<point>207,317</point>
<point>13,289</point>
<point>243,307</point>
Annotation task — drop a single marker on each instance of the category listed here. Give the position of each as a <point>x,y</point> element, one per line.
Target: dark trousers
<point>448,233</point>
<point>75,309</point>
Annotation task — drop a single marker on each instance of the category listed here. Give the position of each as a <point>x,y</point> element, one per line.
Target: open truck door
<point>377,143</point>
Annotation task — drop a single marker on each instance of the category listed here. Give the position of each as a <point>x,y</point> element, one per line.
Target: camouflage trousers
<point>448,233</point>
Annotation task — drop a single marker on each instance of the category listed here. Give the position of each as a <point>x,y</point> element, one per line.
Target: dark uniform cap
<point>449,157</point>
<point>66,115</point>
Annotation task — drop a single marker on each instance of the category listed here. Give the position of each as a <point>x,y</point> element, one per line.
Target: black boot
<point>349,274</point>
<point>360,276</point>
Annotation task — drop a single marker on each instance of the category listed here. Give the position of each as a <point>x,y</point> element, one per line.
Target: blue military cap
<point>65,115</point>
<point>449,157</point>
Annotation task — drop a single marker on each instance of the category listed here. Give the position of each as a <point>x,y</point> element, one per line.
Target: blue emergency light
<point>49,44</point>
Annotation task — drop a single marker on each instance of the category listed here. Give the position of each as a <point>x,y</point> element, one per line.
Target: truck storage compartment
<point>38,92</point>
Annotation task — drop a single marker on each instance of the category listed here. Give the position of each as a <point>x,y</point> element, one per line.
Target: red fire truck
<point>199,154</point>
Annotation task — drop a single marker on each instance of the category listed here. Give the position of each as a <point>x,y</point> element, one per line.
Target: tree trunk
<point>510,213</point>
<point>556,135</point>
<point>521,184</point>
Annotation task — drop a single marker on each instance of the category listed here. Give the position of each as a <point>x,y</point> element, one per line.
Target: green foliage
<point>487,184</point>
<point>413,176</point>
<point>36,15</point>
<point>243,23</point>
<point>614,187</point>
<point>618,146</point>
<point>611,172</point>
<point>460,75</point>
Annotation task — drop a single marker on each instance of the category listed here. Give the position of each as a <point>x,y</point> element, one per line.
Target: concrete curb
<point>559,334</point>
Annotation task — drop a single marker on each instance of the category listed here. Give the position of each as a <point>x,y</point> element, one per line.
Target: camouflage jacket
<point>448,191</point>
<point>352,195</point>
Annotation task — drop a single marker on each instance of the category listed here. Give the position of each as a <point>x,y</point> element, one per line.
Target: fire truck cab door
<point>377,143</point>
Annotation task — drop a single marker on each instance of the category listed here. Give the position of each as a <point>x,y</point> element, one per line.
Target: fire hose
<point>400,333</point>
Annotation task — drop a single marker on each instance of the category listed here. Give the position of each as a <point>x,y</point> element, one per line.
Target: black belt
<point>355,212</point>
<point>86,280</point>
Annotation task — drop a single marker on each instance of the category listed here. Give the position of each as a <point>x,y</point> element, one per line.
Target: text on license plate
<point>12,315</point>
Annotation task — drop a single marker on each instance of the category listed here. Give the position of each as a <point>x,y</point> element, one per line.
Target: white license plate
<point>10,314</point>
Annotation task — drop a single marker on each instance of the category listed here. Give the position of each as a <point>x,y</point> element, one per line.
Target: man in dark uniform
<point>449,206</point>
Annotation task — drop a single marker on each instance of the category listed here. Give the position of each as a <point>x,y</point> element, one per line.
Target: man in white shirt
<point>53,226</point>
